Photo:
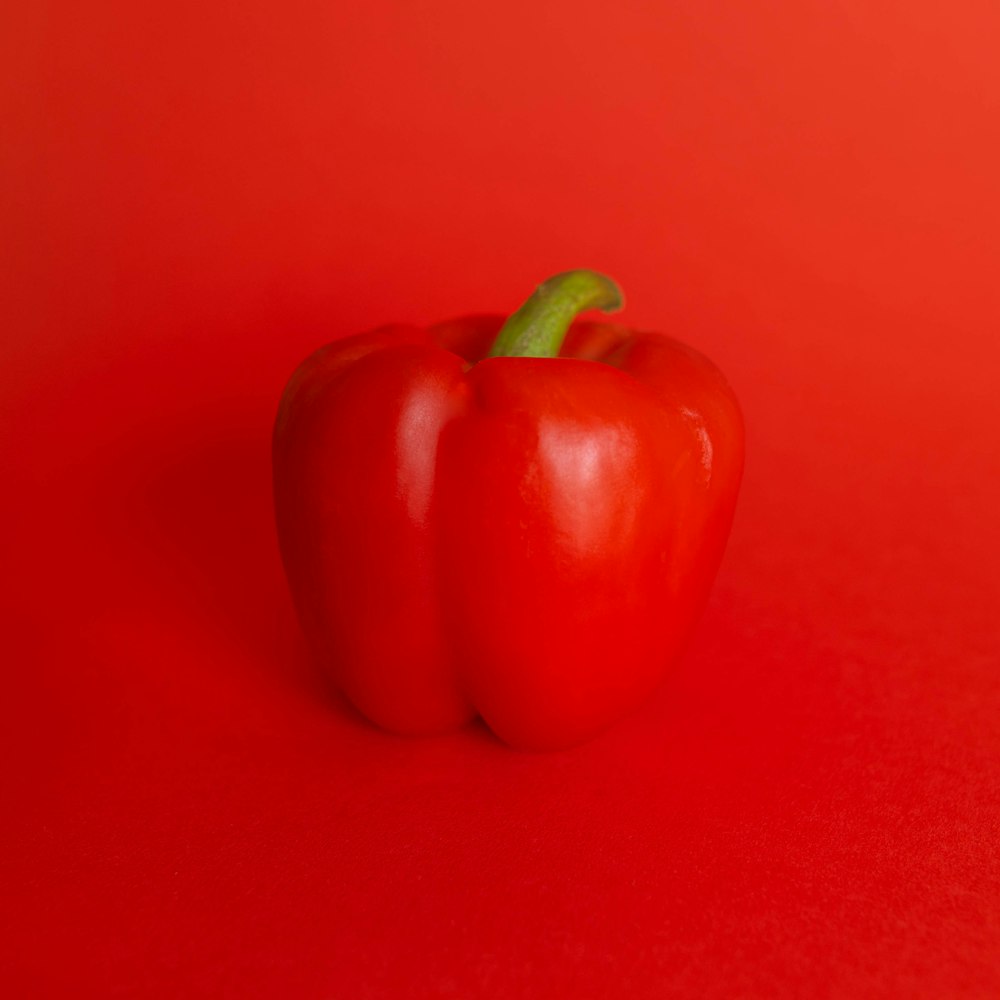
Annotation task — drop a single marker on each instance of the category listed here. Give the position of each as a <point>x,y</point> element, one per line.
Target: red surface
<point>197,195</point>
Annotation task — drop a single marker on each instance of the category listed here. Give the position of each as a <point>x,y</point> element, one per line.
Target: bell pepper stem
<point>538,328</point>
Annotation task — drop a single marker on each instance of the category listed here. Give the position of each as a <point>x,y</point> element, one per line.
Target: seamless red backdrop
<point>195,196</point>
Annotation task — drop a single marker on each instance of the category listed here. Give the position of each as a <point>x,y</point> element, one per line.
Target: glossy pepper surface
<point>515,520</point>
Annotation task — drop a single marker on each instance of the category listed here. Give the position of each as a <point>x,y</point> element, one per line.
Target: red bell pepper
<point>524,532</point>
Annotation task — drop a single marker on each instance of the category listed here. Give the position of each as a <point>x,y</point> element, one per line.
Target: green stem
<point>539,327</point>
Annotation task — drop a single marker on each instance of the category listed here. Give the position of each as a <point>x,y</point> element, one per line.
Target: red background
<point>196,195</point>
